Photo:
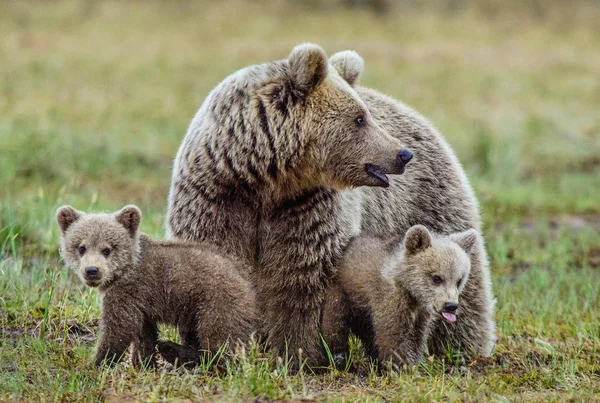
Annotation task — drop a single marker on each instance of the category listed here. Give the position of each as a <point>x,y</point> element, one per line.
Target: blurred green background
<point>96,96</point>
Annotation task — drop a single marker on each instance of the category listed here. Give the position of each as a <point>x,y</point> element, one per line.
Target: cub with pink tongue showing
<point>389,294</point>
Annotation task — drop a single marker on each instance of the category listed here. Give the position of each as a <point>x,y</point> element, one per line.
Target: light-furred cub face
<point>435,268</point>
<point>100,247</point>
<point>295,123</point>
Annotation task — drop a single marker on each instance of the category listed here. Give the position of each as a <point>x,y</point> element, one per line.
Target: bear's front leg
<point>120,325</point>
<point>114,342</point>
<point>399,332</point>
<point>400,339</point>
<point>144,347</point>
<point>292,311</point>
<point>300,242</point>
<point>335,328</point>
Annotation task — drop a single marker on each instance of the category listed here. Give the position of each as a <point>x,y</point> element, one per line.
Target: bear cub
<point>391,293</point>
<point>145,282</point>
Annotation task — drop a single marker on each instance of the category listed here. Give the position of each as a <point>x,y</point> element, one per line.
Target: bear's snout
<point>405,155</point>
<point>402,158</point>
<point>391,166</point>
<point>92,273</point>
<point>450,307</point>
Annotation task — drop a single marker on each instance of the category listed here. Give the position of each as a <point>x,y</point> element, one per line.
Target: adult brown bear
<point>279,168</point>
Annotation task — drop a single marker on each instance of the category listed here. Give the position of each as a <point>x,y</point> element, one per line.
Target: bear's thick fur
<point>145,282</point>
<point>390,293</point>
<point>268,171</point>
<point>434,192</point>
<point>256,174</point>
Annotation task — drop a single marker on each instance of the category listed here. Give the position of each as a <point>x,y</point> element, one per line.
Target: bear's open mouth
<point>449,316</point>
<point>375,172</point>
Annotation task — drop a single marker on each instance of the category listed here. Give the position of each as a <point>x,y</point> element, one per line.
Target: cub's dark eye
<point>81,250</point>
<point>106,251</point>
<point>436,279</point>
<point>459,282</point>
<point>360,121</point>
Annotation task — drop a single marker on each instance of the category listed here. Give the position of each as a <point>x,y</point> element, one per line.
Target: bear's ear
<point>466,240</point>
<point>308,65</point>
<point>417,239</point>
<point>67,215</point>
<point>130,217</point>
<point>349,65</point>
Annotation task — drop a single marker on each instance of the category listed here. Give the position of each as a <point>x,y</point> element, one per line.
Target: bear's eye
<point>106,251</point>
<point>81,250</point>
<point>360,121</point>
<point>436,279</point>
<point>459,281</point>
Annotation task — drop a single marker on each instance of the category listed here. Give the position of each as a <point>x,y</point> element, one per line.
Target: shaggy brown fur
<point>391,294</point>
<point>256,175</point>
<point>266,171</point>
<point>434,192</point>
<point>146,282</point>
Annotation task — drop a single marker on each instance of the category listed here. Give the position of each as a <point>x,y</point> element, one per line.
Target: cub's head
<point>294,123</point>
<point>435,268</point>
<point>99,247</point>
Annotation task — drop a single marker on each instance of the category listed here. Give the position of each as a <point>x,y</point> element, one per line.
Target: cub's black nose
<point>91,271</point>
<point>405,155</point>
<point>450,307</point>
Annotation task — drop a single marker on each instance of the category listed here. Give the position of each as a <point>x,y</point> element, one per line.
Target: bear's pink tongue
<point>450,317</point>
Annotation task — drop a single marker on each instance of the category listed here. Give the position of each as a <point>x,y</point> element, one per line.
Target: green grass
<point>95,98</point>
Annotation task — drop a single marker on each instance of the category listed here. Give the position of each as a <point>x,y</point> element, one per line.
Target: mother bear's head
<point>286,126</point>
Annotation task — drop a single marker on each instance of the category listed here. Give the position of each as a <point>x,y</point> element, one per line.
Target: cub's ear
<point>417,239</point>
<point>308,65</point>
<point>466,240</point>
<point>349,65</point>
<point>67,215</point>
<point>130,217</point>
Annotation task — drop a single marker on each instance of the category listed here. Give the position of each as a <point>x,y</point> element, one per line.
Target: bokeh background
<point>96,96</point>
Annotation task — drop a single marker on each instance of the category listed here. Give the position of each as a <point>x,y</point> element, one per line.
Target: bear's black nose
<point>450,307</point>
<point>405,155</point>
<point>91,271</point>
